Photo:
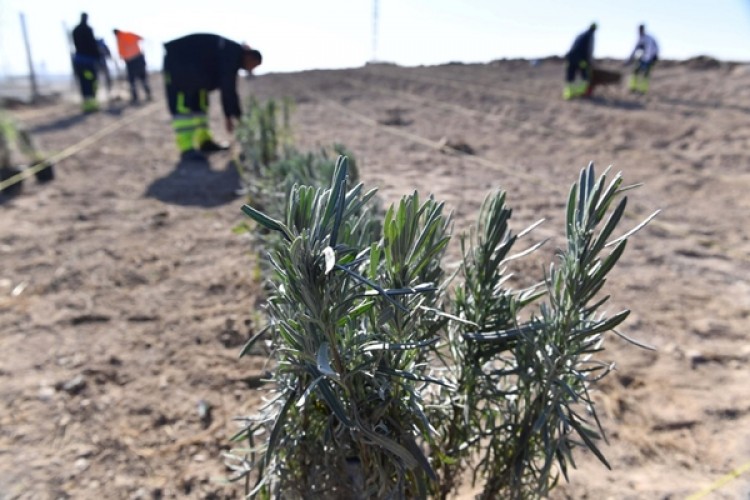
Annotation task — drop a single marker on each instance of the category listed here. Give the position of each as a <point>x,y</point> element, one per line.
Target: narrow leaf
<point>333,403</point>
<point>324,362</point>
<point>251,342</point>
<point>273,439</point>
<point>389,346</point>
<point>635,229</point>
<point>266,221</point>
<point>389,444</point>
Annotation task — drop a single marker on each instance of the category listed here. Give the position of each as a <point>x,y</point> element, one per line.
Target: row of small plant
<point>269,162</point>
<point>395,379</point>
<point>270,165</point>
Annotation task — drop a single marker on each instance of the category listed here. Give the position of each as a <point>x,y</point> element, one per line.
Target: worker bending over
<point>194,65</point>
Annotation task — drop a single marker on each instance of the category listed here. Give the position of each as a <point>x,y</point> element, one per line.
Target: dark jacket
<point>205,61</point>
<point>84,41</point>
<point>583,47</point>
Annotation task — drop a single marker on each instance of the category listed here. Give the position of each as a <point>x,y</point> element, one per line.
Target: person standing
<point>648,52</point>
<point>129,47</point>
<point>194,65</point>
<point>86,63</point>
<point>580,59</point>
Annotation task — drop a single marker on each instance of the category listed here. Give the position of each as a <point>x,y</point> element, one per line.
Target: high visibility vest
<point>128,45</point>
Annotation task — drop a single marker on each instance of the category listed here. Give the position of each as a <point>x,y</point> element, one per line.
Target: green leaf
<point>310,388</point>
<point>324,363</point>
<point>417,453</point>
<point>356,311</point>
<point>278,426</point>
<point>610,226</point>
<point>608,324</point>
<point>445,458</point>
<point>501,336</point>
<point>609,262</point>
<point>635,229</point>
<point>633,341</point>
<point>251,342</point>
<point>389,346</point>
<point>413,376</point>
<point>334,403</point>
<point>266,221</point>
<point>337,197</point>
<point>586,435</point>
<point>409,460</point>
<point>373,285</point>
<point>570,212</point>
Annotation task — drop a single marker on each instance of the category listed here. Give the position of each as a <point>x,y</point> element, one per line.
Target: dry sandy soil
<point>125,296</point>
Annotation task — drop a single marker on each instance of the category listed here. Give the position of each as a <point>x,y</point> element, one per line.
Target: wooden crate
<point>605,77</point>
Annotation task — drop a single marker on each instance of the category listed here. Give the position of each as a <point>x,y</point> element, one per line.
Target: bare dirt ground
<point>125,296</point>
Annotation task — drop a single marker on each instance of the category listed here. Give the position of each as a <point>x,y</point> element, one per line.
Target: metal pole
<point>71,49</point>
<point>374,30</point>
<point>32,75</point>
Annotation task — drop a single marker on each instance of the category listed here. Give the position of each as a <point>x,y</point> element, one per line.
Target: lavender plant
<point>349,332</point>
<point>523,401</point>
<point>388,382</point>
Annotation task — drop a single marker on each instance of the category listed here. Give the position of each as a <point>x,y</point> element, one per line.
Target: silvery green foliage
<point>389,384</point>
<point>351,322</point>
<point>523,402</point>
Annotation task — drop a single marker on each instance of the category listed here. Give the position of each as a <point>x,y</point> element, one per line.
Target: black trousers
<point>577,66</point>
<point>188,105</point>
<point>136,69</point>
<point>86,70</point>
<point>183,99</point>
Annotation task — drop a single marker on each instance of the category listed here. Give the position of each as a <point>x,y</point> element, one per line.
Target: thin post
<point>32,74</point>
<point>71,49</point>
<point>374,30</point>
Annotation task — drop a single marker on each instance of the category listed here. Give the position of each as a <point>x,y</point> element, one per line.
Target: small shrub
<point>387,384</point>
<point>391,382</point>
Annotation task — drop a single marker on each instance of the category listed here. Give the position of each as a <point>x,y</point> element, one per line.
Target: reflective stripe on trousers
<point>191,130</point>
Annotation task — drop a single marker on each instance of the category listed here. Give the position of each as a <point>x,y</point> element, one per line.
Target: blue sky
<point>301,34</point>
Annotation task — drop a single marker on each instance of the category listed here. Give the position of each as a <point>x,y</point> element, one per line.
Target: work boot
<point>90,105</point>
<point>211,146</point>
<point>643,85</point>
<point>633,83</point>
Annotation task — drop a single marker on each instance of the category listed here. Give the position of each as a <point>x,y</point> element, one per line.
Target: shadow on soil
<point>619,103</point>
<point>62,123</point>
<point>194,183</point>
<point>65,122</point>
